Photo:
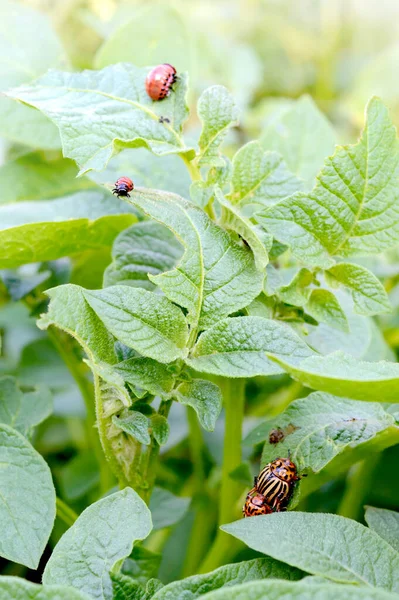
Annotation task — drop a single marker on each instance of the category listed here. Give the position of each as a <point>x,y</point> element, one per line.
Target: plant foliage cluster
<point>249,285</point>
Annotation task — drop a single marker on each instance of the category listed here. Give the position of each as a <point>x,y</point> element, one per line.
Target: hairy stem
<point>224,547</point>
<point>65,513</point>
<point>192,168</point>
<point>66,349</point>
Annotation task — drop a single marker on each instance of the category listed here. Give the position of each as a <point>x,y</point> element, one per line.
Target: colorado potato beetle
<point>123,186</point>
<point>255,504</point>
<point>276,482</point>
<point>159,81</point>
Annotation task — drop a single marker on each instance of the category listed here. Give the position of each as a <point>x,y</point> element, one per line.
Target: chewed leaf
<point>218,112</point>
<point>353,209</point>
<point>120,113</point>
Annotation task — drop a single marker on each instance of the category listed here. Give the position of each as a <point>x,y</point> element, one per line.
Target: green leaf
<point>204,397</point>
<point>281,590</point>
<point>324,306</point>
<point>102,535</point>
<point>351,210</point>
<point>322,544</point>
<point>322,431</point>
<point>166,508</point>
<point>118,99</point>
<point>340,373</point>
<point>147,374</point>
<point>232,219</point>
<point>40,231</point>
<point>302,135</point>
<point>15,588</point>
<point>69,311</point>
<point>297,291</point>
<point>148,323</point>
<point>216,276</point>
<point>385,523</point>
<point>136,425</point>
<point>21,60</point>
<point>79,476</point>
<point>23,411</point>
<point>31,177</point>
<point>368,294</point>
<point>146,170</point>
<point>142,564</point>
<point>218,112</point>
<point>238,347</point>
<point>145,248</point>
<point>226,577</point>
<point>260,178</point>
<point>131,39</point>
<point>27,500</point>
<point>160,428</point>
<point>126,588</point>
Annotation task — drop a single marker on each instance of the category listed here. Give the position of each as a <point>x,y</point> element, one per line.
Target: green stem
<point>66,349</point>
<point>192,168</point>
<point>203,524</point>
<point>65,513</point>
<point>224,547</point>
<point>358,484</point>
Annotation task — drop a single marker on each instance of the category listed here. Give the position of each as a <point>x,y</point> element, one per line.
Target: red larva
<point>123,186</point>
<point>159,81</point>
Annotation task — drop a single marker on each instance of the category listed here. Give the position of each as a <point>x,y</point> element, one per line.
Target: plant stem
<point>65,513</point>
<point>203,524</point>
<point>65,347</point>
<point>192,168</point>
<point>358,483</point>
<point>224,547</point>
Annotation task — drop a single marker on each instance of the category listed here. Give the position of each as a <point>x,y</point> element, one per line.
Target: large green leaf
<point>142,320</point>
<point>30,177</point>
<point>303,137</point>
<point>341,374</point>
<point>145,248</point>
<point>144,36</point>
<point>102,535</point>
<point>216,275</point>
<point>260,178</point>
<point>27,499</point>
<point>326,433</point>
<point>352,209</point>
<point>226,577</point>
<point>121,113</point>
<point>385,523</point>
<point>282,590</point>
<point>322,544</point>
<point>237,347</point>
<point>218,112</point>
<point>21,60</point>
<point>39,231</point>
<point>15,588</point>
<point>23,411</point>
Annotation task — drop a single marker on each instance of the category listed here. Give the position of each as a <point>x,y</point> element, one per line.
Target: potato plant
<point>235,309</point>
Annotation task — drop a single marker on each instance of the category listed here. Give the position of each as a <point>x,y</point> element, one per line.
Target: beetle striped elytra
<point>255,504</point>
<point>276,482</point>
